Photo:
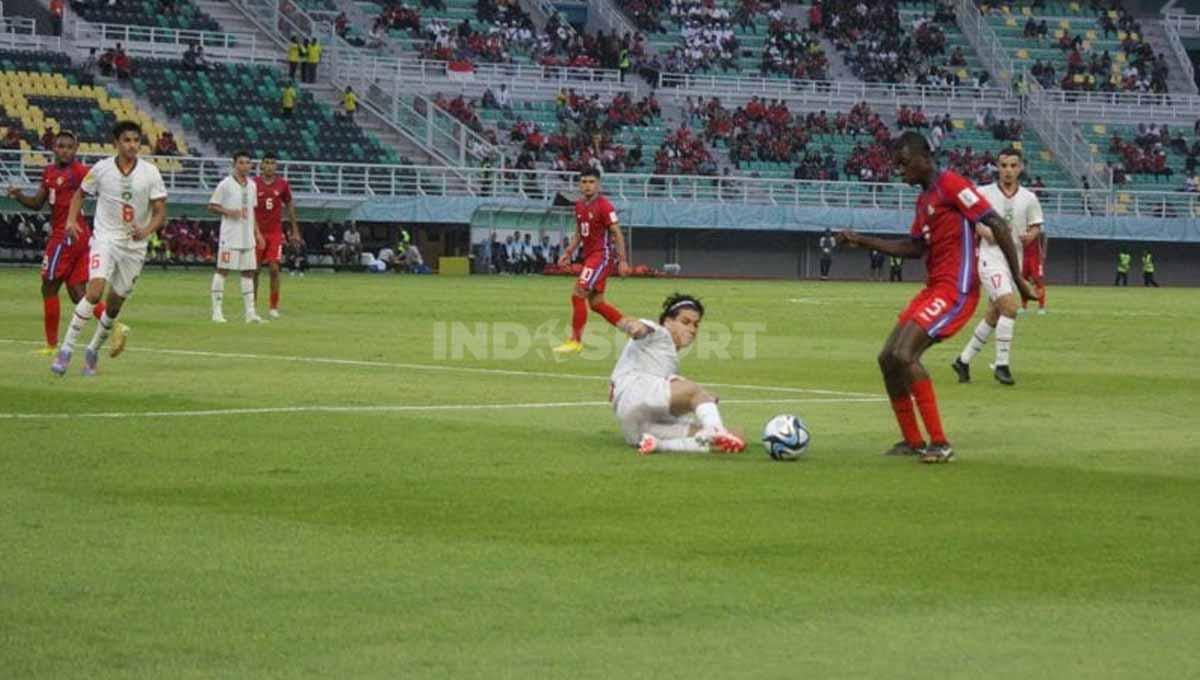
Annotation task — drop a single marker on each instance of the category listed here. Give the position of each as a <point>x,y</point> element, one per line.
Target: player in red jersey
<point>1033,266</point>
<point>597,228</point>
<point>66,257</point>
<point>274,193</point>
<point>944,233</point>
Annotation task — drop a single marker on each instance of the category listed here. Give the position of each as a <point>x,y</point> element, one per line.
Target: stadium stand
<point>41,92</point>
<point>1148,156</point>
<point>489,31</point>
<point>235,106</point>
<point>1077,46</point>
<point>899,42</point>
<point>180,14</point>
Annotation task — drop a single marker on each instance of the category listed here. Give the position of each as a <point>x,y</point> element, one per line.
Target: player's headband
<point>680,305</point>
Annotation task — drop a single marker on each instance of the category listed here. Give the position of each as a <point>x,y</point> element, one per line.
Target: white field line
<point>445,368</point>
<point>403,408</point>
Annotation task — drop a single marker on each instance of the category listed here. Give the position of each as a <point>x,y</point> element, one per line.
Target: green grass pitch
<point>372,522</point>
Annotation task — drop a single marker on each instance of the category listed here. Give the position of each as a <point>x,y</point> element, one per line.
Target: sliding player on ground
<point>660,411</point>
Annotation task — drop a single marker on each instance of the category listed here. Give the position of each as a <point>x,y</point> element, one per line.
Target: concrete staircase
<point>1177,81</point>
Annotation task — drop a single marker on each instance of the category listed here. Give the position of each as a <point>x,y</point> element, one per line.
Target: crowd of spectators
<point>1090,69</point>
<point>880,48</point>
<point>1148,153</point>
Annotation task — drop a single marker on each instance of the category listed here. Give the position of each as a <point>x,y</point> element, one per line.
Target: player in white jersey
<point>658,409</point>
<point>131,205</point>
<point>234,200</point>
<point>1020,207</point>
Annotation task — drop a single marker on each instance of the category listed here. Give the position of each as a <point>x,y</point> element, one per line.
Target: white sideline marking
<point>441,367</point>
<point>380,409</point>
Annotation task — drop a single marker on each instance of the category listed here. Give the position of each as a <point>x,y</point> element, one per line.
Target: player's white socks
<point>1004,338</point>
<point>218,294</point>
<point>248,296</point>
<point>978,339</point>
<point>710,417</point>
<point>682,444</point>
<point>83,312</point>
<point>103,330</point>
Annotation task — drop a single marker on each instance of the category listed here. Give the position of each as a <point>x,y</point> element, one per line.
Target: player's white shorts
<point>117,264</point>
<point>643,406</point>
<point>237,259</point>
<point>996,279</point>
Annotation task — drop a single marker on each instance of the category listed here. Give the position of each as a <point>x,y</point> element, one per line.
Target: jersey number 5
<point>127,213</point>
<point>934,309</point>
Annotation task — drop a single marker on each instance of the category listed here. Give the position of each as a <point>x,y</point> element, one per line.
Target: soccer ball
<point>785,437</point>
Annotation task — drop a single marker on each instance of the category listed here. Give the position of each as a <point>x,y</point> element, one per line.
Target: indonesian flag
<point>460,70</point>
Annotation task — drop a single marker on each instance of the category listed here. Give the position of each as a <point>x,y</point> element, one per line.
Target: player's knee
<point>886,360</point>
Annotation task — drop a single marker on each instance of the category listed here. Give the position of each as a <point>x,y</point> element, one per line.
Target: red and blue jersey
<point>61,183</point>
<point>593,219</point>
<point>945,221</point>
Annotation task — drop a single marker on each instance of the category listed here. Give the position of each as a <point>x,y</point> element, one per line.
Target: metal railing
<point>18,25</point>
<point>1064,140</point>
<point>1181,54</point>
<point>436,130</point>
<point>358,183</point>
<point>985,42</point>
<point>20,33</point>
<point>437,72</point>
<point>1186,25</point>
<point>87,34</point>
<point>610,15</point>
<point>1122,106</point>
<point>834,93</point>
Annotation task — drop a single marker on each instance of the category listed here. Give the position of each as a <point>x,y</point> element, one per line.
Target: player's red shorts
<point>1031,266</point>
<point>596,269</point>
<point>63,262</point>
<point>941,310</point>
<point>272,250</point>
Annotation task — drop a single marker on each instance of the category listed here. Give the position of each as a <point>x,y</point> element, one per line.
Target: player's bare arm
<point>907,248</point>
<point>985,233</point>
<point>217,209</point>
<point>619,240</point>
<point>295,234</point>
<point>634,328</point>
<point>1003,235</point>
<point>1033,233</point>
<point>158,217</point>
<point>565,258</point>
<point>34,202</point>
<point>73,215</point>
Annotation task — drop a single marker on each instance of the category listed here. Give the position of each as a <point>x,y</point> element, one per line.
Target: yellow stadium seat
<point>1064,24</point>
<point>1077,78</point>
<point>959,124</point>
<point>1074,7</point>
<point>1022,53</point>
<point>1010,22</point>
<point>1112,14</point>
<point>1135,36</point>
<point>962,74</point>
<point>1120,209</point>
<point>1100,129</point>
<point>1046,155</point>
<point>1095,148</point>
<point>1027,11</point>
<point>1124,198</point>
<point>1018,144</point>
<point>1059,33</point>
<point>1091,35</point>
